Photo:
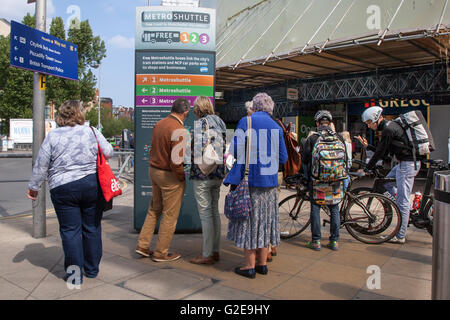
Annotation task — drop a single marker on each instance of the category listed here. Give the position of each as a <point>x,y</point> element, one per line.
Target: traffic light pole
<point>39,215</point>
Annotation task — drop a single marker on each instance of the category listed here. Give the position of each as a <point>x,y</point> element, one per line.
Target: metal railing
<point>125,159</point>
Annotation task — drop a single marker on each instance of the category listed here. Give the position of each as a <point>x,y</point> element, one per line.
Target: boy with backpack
<point>324,158</point>
<point>399,137</point>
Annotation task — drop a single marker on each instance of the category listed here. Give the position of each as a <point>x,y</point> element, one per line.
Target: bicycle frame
<point>421,216</point>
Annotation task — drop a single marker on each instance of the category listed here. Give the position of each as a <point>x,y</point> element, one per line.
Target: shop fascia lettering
<point>398,103</point>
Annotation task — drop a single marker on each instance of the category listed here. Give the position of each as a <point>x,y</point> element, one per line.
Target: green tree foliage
<point>16,86</point>
<point>111,125</point>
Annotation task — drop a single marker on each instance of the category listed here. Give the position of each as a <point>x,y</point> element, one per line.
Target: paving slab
<point>27,280</point>
<point>365,295</point>
<point>220,292</point>
<point>407,268</point>
<point>359,260</point>
<point>106,292</point>
<point>260,285</point>
<point>335,273</point>
<point>54,287</point>
<point>299,288</point>
<point>116,267</point>
<point>164,284</point>
<point>9,291</point>
<point>399,287</point>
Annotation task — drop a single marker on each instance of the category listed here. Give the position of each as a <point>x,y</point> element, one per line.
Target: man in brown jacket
<point>168,182</point>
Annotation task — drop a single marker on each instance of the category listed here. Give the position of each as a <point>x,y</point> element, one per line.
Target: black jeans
<point>79,208</point>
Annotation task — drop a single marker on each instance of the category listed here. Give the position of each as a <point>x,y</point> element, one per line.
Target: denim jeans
<point>316,225</point>
<point>404,174</point>
<point>79,208</point>
<point>207,193</point>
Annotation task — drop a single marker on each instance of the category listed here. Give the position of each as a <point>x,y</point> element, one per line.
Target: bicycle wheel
<point>429,212</point>
<point>372,218</point>
<point>361,190</point>
<point>294,215</point>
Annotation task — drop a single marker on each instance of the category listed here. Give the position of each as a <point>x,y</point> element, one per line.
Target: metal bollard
<point>441,237</point>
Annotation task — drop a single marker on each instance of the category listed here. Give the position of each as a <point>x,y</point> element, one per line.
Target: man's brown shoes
<point>202,260</point>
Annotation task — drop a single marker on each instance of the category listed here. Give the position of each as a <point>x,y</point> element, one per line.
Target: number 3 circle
<point>204,38</point>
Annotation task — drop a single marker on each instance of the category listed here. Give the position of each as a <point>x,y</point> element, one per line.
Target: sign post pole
<point>39,218</point>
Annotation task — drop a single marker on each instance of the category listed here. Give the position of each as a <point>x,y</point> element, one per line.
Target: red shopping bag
<point>108,181</point>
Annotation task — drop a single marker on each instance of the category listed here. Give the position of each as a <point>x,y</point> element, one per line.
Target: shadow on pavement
<point>44,257</point>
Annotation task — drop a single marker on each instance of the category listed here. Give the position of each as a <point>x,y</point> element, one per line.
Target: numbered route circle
<point>184,37</point>
<point>194,37</point>
<point>204,38</point>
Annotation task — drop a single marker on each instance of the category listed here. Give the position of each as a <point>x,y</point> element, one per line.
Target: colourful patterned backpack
<point>329,168</point>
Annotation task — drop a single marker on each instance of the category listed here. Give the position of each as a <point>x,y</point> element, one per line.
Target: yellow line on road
<point>51,211</point>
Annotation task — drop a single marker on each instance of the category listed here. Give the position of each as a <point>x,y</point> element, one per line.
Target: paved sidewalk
<point>33,268</point>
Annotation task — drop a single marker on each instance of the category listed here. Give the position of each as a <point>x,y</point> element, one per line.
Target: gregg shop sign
<point>175,17</point>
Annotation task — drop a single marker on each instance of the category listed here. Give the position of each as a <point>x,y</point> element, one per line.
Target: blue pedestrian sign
<point>38,51</point>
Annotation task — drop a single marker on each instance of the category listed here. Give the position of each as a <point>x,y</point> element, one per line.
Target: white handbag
<point>210,158</point>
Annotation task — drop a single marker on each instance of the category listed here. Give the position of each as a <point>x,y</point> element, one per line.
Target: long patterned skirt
<point>262,228</point>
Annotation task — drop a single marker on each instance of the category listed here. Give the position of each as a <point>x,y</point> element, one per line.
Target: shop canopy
<point>271,41</point>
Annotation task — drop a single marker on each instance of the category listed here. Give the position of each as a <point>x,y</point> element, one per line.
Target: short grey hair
<point>263,102</point>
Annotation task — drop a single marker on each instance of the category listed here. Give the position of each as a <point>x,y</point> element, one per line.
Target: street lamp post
<point>39,216</point>
<point>99,126</point>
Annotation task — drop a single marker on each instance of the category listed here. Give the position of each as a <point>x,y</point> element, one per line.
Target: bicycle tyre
<point>370,234</point>
<point>361,190</point>
<point>428,207</point>
<point>285,214</point>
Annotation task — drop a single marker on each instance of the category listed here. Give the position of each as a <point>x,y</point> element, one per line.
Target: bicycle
<point>421,218</point>
<point>369,218</point>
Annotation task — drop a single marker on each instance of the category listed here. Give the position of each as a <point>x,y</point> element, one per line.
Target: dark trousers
<point>79,208</point>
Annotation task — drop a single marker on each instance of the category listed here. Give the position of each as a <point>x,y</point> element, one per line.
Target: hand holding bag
<point>238,204</point>
<point>108,182</point>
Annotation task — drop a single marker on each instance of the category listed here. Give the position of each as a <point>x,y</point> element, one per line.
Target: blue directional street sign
<point>38,51</point>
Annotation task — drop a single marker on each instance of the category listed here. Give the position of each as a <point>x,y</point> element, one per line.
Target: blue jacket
<point>268,152</point>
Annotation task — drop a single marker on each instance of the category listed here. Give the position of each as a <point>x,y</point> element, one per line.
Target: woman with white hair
<point>267,153</point>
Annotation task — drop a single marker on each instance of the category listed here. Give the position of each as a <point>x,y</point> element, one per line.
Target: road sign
<point>38,51</point>
<point>42,82</point>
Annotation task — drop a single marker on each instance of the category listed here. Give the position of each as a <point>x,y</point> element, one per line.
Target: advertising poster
<point>174,58</point>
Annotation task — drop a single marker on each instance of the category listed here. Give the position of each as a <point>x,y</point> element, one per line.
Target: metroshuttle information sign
<point>174,58</point>
<point>38,51</point>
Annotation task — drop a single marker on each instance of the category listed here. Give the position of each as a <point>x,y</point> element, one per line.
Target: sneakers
<point>397,240</point>
<point>315,245</point>
<point>144,252</point>
<point>167,258</point>
<point>216,256</point>
<point>333,245</point>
